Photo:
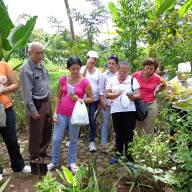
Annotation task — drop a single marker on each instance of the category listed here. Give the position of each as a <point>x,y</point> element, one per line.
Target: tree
<point>70,20</point>
<point>92,21</point>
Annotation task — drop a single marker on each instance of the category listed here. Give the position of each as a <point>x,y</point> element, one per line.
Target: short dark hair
<point>114,57</point>
<point>151,61</point>
<point>73,60</point>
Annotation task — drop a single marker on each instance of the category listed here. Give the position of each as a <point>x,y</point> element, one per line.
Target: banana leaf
<point>5,23</point>
<point>20,35</point>
<point>186,7</point>
<point>164,6</point>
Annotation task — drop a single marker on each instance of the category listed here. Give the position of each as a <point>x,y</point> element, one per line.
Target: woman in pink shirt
<point>149,82</point>
<point>70,89</point>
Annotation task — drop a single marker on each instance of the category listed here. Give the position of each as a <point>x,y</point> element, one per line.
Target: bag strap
<point>132,84</point>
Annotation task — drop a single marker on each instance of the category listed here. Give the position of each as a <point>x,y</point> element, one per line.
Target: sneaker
<point>50,166</point>
<point>92,147</point>
<point>73,168</point>
<point>26,169</point>
<point>1,173</point>
<point>68,144</point>
<point>114,160</point>
<point>1,176</point>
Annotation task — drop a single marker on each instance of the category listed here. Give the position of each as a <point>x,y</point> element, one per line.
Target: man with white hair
<point>36,93</point>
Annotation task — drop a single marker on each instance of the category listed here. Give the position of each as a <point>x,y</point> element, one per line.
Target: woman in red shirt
<point>150,83</point>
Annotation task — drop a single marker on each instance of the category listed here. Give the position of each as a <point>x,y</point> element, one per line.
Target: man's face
<point>36,54</point>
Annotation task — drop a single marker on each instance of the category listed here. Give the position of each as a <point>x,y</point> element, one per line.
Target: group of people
<point>114,91</point>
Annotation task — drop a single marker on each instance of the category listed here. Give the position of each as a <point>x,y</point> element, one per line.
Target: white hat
<point>92,54</point>
<point>184,67</point>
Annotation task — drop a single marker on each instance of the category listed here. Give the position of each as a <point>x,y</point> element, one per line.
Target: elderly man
<point>36,92</point>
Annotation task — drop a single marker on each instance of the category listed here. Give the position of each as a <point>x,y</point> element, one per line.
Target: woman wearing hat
<point>94,76</point>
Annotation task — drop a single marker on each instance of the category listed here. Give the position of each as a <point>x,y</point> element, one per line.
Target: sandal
<point>73,167</point>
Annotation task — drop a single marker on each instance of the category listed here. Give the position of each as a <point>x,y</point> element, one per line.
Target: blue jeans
<point>58,133</point>
<point>105,124</point>
<point>92,108</point>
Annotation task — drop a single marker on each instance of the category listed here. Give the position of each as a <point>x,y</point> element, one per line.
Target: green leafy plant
<point>13,37</point>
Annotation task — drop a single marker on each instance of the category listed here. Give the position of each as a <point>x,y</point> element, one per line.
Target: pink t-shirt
<point>147,87</point>
<point>66,104</point>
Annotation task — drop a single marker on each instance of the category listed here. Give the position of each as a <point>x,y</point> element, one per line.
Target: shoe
<point>114,160</point>
<point>73,167</point>
<point>92,147</point>
<point>43,168</point>
<point>26,169</point>
<point>34,168</point>
<point>68,144</point>
<point>1,173</point>
<point>50,166</point>
<point>1,176</point>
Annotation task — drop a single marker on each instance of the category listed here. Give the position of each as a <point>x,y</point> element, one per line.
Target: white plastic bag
<point>2,116</point>
<point>80,115</point>
<point>124,100</point>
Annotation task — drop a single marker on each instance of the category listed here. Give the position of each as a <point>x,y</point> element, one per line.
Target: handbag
<point>2,116</point>
<point>141,109</point>
<point>80,115</point>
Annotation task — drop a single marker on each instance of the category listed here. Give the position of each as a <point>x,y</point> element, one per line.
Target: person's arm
<point>102,81</point>
<point>89,94</point>
<point>111,95</point>
<point>135,96</point>
<point>26,82</point>
<point>13,84</point>
<point>57,101</point>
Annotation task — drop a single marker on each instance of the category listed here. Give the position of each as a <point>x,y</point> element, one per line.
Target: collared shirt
<point>115,86</point>
<point>34,84</point>
<point>107,76</point>
<point>147,86</point>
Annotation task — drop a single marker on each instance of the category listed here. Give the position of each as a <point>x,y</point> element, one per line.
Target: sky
<point>46,8</point>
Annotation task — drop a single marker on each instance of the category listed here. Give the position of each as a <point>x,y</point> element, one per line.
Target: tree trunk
<point>70,20</point>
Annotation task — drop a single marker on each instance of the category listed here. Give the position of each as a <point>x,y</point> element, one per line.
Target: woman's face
<point>75,70</point>
<point>149,70</point>
<point>91,61</point>
<point>123,72</point>
<point>112,65</point>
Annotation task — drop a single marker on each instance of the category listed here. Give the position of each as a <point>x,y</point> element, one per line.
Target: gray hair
<point>35,44</point>
<point>123,63</point>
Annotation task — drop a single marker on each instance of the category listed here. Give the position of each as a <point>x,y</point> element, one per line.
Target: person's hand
<point>1,90</point>
<point>131,97</point>
<point>35,116</point>
<point>74,98</point>
<point>55,118</point>
<point>103,105</point>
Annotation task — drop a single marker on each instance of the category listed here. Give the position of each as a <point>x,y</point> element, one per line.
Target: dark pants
<point>92,108</point>
<point>124,124</point>
<point>40,130</point>
<point>10,138</point>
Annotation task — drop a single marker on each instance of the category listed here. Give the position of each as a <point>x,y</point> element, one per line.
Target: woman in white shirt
<point>123,109</point>
<point>106,103</point>
<point>94,76</point>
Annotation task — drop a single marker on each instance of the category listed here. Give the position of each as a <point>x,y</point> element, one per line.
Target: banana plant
<point>13,37</point>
